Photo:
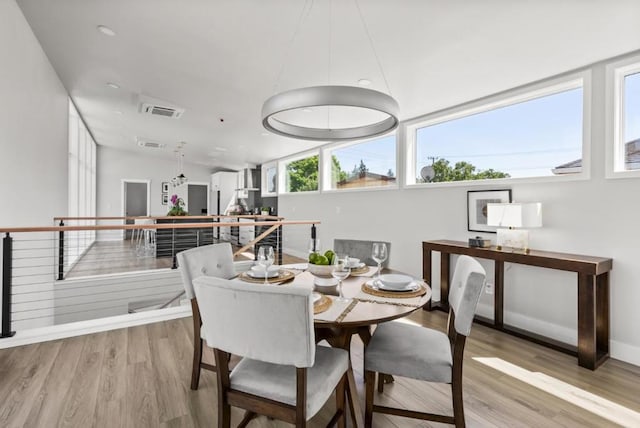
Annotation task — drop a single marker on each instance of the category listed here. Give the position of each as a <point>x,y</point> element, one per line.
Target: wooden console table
<point>593,293</point>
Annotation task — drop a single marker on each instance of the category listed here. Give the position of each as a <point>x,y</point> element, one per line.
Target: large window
<point>301,174</point>
<point>366,164</point>
<point>623,120</point>
<point>82,183</point>
<point>531,135</point>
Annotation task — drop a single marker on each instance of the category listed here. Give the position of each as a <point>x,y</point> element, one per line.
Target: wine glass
<point>265,259</point>
<point>379,255</point>
<point>340,270</point>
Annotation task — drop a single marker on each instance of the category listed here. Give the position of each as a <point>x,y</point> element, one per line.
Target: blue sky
<point>524,140</point>
<point>632,107</point>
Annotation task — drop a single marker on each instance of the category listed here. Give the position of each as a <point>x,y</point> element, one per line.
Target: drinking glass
<point>340,270</point>
<point>379,255</point>
<point>265,259</point>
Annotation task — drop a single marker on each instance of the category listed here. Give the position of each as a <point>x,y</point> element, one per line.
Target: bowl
<point>257,271</point>
<point>325,285</point>
<point>395,281</point>
<point>352,262</point>
<point>320,270</point>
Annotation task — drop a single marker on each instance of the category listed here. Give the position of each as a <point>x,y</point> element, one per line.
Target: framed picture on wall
<point>165,198</point>
<point>165,187</point>
<point>477,201</point>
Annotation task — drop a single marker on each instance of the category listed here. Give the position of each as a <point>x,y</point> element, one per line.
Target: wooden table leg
<point>498,296</point>
<point>445,270</point>
<point>426,272</point>
<point>587,338</point>
<point>602,317</point>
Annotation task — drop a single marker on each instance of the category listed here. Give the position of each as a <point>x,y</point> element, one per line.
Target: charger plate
<point>323,304</point>
<point>370,287</point>
<point>283,275</point>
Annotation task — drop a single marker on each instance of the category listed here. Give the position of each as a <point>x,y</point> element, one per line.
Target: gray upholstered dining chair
<point>426,354</point>
<point>283,373</point>
<point>360,249</point>
<point>210,260</point>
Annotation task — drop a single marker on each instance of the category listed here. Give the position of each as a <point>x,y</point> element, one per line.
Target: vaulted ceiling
<point>219,60</point>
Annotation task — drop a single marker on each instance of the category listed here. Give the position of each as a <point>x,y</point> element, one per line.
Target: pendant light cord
<point>304,14</point>
<point>375,54</point>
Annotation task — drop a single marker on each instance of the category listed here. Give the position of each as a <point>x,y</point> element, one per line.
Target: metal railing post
<point>313,237</point>
<point>61,253</point>
<point>173,249</point>
<point>279,242</point>
<point>7,257</point>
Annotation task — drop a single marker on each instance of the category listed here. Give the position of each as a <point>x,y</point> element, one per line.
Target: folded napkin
<point>297,266</point>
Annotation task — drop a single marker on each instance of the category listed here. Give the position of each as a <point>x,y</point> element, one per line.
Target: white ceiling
<point>222,59</point>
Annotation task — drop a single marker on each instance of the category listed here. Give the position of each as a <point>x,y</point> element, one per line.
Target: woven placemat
<point>369,289</point>
<point>358,271</point>
<point>283,275</point>
<point>324,304</point>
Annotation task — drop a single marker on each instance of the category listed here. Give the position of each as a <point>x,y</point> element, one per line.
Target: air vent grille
<point>164,111</point>
<point>151,144</point>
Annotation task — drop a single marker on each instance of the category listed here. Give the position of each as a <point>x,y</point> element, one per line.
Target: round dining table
<point>359,316</point>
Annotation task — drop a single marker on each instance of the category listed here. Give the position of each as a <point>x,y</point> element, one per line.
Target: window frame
<point>616,72</point>
<point>557,84</point>
<point>325,165</point>
<point>282,172</point>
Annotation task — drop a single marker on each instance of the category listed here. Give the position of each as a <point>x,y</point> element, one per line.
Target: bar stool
<point>145,238</point>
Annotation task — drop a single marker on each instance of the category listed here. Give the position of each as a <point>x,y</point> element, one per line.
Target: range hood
<point>245,180</point>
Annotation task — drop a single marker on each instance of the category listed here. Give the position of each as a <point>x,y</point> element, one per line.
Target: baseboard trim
<point>55,332</point>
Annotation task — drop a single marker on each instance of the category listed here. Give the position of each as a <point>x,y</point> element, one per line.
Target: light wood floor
<point>139,377</point>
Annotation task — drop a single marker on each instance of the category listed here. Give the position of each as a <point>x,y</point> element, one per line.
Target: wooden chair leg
<point>381,383</point>
<point>370,378</point>
<point>458,405</point>
<point>248,416</point>
<point>197,359</point>
<point>341,402</point>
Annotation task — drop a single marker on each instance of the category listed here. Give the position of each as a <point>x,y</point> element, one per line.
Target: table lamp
<point>512,215</point>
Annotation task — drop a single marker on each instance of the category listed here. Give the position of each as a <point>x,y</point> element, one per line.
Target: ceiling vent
<point>151,144</point>
<point>158,110</point>
<point>156,107</point>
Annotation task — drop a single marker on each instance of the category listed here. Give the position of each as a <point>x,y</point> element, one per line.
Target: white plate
<point>413,286</point>
<point>395,281</point>
<point>260,274</point>
<point>316,297</point>
<point>354,263</point>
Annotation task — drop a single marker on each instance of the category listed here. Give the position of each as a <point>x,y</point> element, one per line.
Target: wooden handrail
<point>194,217</point>
<point>155,226</point>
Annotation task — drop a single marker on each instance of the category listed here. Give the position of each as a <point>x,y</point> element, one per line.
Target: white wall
<point>33,127</point>
<point>115,165</point>
<point>594,217</point>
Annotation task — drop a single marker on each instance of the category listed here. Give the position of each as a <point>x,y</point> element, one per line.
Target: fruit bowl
<point>320,270</point>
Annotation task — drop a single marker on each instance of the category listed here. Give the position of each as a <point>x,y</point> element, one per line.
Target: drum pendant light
<point>384,107</point>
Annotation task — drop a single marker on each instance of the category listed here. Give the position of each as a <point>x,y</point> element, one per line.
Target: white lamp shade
<point>515,214</point>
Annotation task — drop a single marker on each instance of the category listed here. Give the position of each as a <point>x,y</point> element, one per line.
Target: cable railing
<point>86,268</point>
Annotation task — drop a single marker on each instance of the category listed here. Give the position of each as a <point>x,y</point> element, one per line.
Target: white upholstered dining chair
<point>283,373</point>
<point>208,260</point>
<point>426,354</point>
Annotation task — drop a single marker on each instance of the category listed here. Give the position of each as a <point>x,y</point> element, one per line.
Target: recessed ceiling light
<point>221,149</point>
<point>265,134</point>
<point>117,112</point>
<point>106,30</point>
<point>364,82</point>
<point>113,85</point>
